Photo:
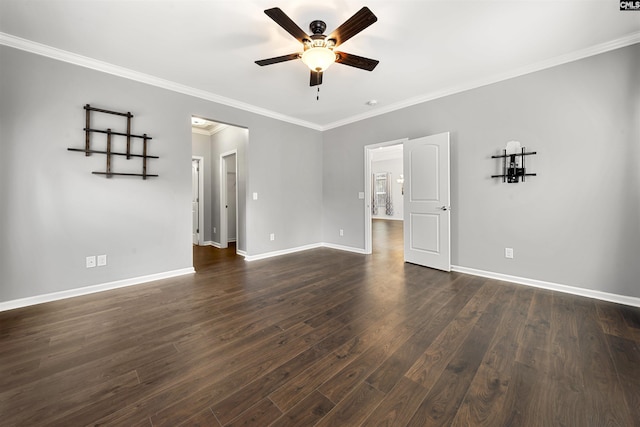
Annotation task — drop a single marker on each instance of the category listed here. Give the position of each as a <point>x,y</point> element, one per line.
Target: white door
<point>426,202</point>
<point>195,202</point>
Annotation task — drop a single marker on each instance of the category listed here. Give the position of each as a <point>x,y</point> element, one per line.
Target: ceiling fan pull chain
<point>318,94</point>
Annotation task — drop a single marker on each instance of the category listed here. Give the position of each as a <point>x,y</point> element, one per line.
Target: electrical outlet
<point>214,230</point>
<point>102,260</point>
<point>90,261</point>
<point>508,252</point>
<point>341,232</point>
<point>272,237</point>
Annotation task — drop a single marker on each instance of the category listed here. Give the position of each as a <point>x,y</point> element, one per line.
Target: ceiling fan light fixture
<point>318,58</point>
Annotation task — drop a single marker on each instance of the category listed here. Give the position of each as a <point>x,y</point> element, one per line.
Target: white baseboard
<point>211,243</point>
<point>344,248</point>
<point>282,252</point>
<point>302,248</point>
<point>39,299</point>
<point>589,293</point>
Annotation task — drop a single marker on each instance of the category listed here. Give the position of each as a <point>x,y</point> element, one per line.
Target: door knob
<point>445,208</point>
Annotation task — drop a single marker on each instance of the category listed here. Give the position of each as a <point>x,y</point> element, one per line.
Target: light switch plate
<point>90,261</point>
<point>102,260</point>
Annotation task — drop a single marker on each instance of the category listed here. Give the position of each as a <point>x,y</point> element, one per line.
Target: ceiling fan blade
<point>285,22</point>
<point>277,59</point>
<point>356,61</point>
<point>316,78</point>
<point>352,26</point>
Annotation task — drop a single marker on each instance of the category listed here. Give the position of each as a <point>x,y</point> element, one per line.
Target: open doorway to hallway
<point>222,149</point>
<point>384,189</point>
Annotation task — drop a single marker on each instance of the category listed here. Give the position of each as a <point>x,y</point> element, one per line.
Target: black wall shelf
<point>87,150</point>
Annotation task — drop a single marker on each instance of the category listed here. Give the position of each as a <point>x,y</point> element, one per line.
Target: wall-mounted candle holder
<point>513,163</point>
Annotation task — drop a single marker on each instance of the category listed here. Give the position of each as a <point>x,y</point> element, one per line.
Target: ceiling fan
<point>319,52</point>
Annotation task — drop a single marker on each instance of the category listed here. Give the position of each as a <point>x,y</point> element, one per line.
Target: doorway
<point>228,198</point>
<point>212,140</point>
<point>392,149</point>
<point>426,199</point>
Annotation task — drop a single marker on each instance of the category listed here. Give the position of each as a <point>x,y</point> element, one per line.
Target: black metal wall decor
<point>87,150</point>
<point>513,163</point>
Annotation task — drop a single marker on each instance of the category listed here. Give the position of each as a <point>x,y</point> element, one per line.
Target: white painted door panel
<point>426,202</point>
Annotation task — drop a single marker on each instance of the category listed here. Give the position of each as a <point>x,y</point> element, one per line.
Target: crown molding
<point>83,61</point>
<point>200,131</point>
<point>105,67</point>
<point>621,42</point>
<point>217,129</point>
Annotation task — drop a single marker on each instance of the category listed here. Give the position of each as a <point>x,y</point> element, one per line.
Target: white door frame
<point>200,160</point>
<point>224,234</point>
<point>367,189</point>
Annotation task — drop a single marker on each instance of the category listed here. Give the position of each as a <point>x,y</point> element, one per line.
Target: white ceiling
<point>426,48</point>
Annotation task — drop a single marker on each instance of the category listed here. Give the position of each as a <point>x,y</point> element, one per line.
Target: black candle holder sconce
<point>513,163</point>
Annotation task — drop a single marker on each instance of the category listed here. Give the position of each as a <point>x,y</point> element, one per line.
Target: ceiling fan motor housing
<point>317,27</point>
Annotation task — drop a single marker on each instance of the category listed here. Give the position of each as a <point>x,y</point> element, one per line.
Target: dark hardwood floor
<point>324,338</point>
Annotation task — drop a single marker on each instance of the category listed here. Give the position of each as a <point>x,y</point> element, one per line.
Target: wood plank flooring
<point>324,338</point>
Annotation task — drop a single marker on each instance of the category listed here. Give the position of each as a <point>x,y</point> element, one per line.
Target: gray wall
<point>289,185</point>
<point>577,223</point>
<point>55,212</point>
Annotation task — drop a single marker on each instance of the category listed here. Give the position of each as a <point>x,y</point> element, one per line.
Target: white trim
<point>201,221</point>
<point>217,129</point>
<point>105,67</point>
<point>589,293</point>
<point>368,245</point>
<point>344,248</point>
<point>531,68</point>
<point>83,61</point>
<point>241,253</point>
<point>39,299</point>
<point>211,243</point>
<point>282,252</point>
<point>200,131</point>
<point>220,128</point>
